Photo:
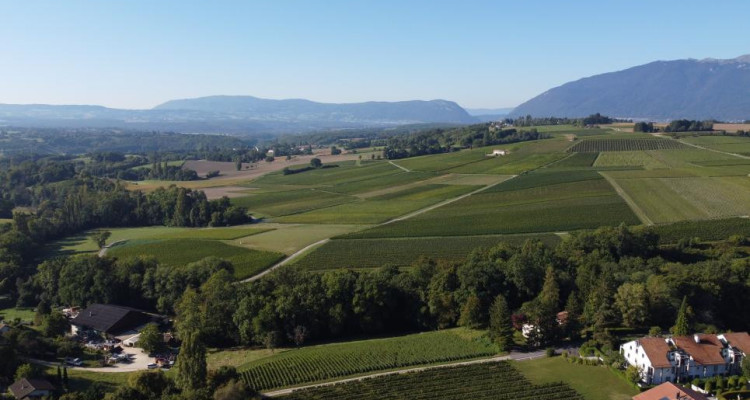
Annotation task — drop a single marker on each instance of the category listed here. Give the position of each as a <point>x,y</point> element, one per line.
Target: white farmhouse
<point>686,357</point>
<point>498,152</point>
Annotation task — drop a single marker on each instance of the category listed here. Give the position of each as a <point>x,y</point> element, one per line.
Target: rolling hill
<point>661,90</point>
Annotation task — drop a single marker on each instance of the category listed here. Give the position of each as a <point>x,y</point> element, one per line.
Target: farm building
<point>498,152</point>
<point>29,388</point>
<point>110,320</point>
<point>686,357</point>
<point>668,390</point>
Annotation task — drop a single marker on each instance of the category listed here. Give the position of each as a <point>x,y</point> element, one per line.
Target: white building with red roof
<point>686,357</point>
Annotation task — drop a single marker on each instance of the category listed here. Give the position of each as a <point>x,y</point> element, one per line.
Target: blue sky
<point>137,54</point>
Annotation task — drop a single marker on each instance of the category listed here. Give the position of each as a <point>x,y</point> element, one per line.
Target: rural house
<point>30,388</point>
<point>109,320</point>
<point>498,152</point>
<point>686,357</point>
<point>668,390</point>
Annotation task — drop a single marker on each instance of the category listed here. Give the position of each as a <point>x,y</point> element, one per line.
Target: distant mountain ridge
<point>239,114</point>
<point>661,90</point>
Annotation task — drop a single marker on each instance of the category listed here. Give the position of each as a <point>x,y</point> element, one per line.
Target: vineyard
<point>599,145</point>
<point>496,381</point>
<point>319,363</point>
<point>342,253</point>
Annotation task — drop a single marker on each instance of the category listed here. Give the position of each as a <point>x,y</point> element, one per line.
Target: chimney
<point>696,338</point>
<point>90,314</point>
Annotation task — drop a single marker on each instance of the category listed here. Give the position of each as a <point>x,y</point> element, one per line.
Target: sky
<point>482,54</point>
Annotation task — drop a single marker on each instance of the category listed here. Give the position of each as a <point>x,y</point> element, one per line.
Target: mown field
<point>500,380</point>
<point>179,252</point>
<point>367,253</point>
<point>324,362</point>
<point>593,383</point>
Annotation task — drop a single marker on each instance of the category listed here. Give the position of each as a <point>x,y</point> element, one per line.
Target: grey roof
<point>110,318</point>
<point>25,386</point>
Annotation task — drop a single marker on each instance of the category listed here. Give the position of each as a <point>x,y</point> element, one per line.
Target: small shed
<point>498,152</point>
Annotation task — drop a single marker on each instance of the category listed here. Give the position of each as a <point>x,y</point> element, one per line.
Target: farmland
<point>364,253</point>
<point>178,252</point>
<point>598,145</point>
<point>628,159</point>
<point>499,380</point>
<point>323,362</point>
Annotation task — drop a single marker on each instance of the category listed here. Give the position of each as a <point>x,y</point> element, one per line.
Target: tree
<point>682,324</point>
<point>631,301</point>
<point>25,371</point>
<point>633,374</point>
<point>151,339</point>
<point>151,384</point>
<point>233,390</point>
<point>191,363</point>
<point>335,151</point>
<point>549,297</point>
<point>316,163</point>
<point>54,324</point>
<point>654,331</point>
<point>501,328</point>
<point>100,238</point>
<point>471,313</point>
<point>65,376</point>
<point>746,367</point>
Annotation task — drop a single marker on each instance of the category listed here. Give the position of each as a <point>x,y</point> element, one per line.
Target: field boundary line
<point>714,150</point>
<point>399,166</point>
<point>629,200</point>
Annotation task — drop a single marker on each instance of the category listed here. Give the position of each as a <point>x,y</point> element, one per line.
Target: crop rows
<point>717,229</point>
<point>576,160</point>
<point>324,362</point>
<point>343,253</point>
<point>599,145</point>
<point>495,381</point>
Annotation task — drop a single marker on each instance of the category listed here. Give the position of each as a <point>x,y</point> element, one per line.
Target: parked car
<point>73,361</point>
<point>152,366</point>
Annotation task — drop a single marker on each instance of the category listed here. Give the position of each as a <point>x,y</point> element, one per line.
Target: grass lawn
<point>80,380</point>
<point>217,358</point>
<point>289,238</point>
<point>22,313</point>
<point>594,383</point>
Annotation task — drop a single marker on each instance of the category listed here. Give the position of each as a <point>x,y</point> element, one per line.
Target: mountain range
<point>239,114</point>
<point>661,90</point>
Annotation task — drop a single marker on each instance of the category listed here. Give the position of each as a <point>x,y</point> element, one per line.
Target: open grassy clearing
<point>289,238</point>
<point>176,163</point>
<point>625,144</point>
<point>628,159</point>
<point>677,199</point>
<point>323,362</point>
<point>80,379</point>
<point>594,383</point>
<point>368,253</point>
<point>382,208</point>
<point>499,380</point>
<point>179,252</point>
<point>22,313</point>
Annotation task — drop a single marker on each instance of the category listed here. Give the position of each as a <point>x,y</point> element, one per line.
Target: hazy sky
<point>136,54</point>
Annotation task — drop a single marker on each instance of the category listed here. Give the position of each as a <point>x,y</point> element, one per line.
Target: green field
<point>25,314</point>
<point>576,160</point>
<point>594,383</point>
<point>366,253</point>
<point>497,380</point>
<point>627,144</point>
<point>291,202</point>
<point>628,159</point>
<point>179,252</point>
<point>381,208</point>
<point>324,362</point>
<point>514,207</point>
<point>717,229</point>
<point>288,238</point>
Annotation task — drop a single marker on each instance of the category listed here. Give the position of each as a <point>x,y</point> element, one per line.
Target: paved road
<point>514,355</point>
<point>398,166</point>
<point>103,250</point>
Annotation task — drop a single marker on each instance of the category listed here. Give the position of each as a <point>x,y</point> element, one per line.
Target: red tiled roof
<point>707,352</point>
<point>740,340</point>
<point>669,391</point>
<point>656,350</point>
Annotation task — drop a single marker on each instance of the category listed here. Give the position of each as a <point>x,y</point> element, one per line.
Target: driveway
<point>139,362</point>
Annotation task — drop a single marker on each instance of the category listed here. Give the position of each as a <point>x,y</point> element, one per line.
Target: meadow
<point>498,380</point>
<point>325,362</point>
<point>368,253</point>
<point>179,252</point>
